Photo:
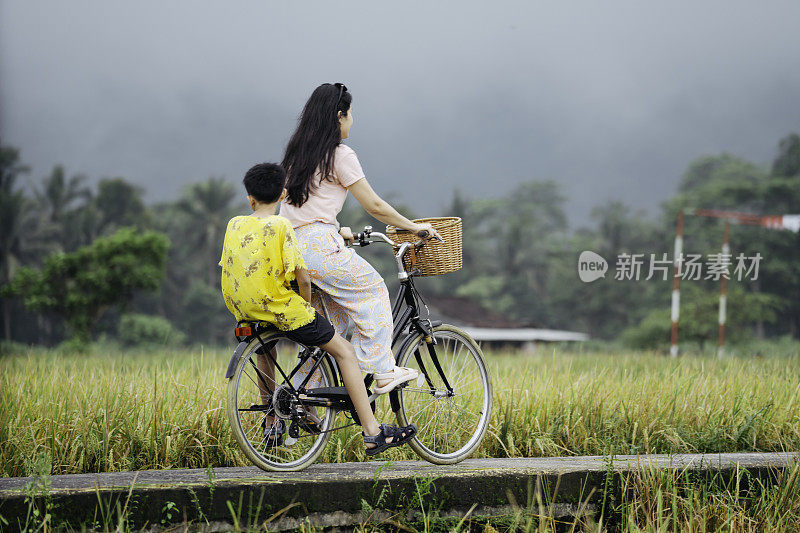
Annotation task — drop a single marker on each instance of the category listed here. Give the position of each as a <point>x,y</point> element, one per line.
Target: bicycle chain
<point>327,431</point>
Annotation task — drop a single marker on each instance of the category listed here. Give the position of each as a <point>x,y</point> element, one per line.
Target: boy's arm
<point>303,282</point>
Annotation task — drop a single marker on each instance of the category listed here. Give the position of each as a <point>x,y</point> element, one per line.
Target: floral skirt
<point>354,294</point>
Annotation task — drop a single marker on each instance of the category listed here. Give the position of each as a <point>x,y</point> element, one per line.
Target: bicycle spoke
<point>257,385</point>
<point>252,426</point>
<point>254,429</point>
<point>418,414</point>
<point>451,423</point>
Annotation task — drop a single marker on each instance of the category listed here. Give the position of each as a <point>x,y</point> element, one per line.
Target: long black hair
<point>314,142</point>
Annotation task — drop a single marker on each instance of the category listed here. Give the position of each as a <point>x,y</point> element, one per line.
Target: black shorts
<point>320,331</point>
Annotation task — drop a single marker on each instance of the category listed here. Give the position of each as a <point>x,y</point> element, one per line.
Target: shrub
<point>141,330</point>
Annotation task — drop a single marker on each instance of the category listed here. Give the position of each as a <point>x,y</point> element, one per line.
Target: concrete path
<point>345,494</point>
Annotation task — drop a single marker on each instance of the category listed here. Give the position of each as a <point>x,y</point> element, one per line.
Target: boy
<point>259,259</point>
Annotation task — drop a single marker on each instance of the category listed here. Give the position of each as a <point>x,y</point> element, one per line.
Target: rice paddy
<point>112,411</point>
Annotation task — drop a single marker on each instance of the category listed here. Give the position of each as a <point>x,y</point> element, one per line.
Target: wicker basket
<point>435,257</point>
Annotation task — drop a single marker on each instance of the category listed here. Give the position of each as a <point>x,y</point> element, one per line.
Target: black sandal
<point>273,437</point>
<point>398,435</point>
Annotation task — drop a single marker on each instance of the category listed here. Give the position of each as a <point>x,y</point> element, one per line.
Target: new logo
<point>591,266</point>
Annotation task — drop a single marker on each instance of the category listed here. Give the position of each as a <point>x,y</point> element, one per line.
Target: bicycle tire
<point>455,427</point>
<point>246,391</point>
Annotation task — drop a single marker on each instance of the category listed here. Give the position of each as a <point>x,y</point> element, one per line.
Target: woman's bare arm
<point>380,209</point>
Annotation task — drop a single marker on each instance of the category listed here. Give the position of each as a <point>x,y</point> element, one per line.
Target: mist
<point>611,100</point>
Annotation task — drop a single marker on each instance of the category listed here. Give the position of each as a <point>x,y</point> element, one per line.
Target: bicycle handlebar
<point>363,238</point>
<point>368,236</point>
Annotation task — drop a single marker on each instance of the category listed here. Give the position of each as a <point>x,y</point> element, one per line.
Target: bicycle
<point>450,403</point>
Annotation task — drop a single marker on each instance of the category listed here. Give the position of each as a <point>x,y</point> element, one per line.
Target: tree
<point>196,223</point>
<point>58,193</point>
<point>56,209</point>
<point>206,208</point>
<point>116,204</point>
<point>80,286</point>
<point>206,317</point>
<point>606,306</point>
<point>727,182</point>
<point>787,163</point>
<point>718,168</point>
<point>16,222</point>
<point>514,243</point>
<point>698,320</point>
<point>119,204</point>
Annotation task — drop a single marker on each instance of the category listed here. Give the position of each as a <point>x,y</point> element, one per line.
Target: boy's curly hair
<point>265,182</point>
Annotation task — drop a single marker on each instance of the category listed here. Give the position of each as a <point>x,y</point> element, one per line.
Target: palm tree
<point>58,193</point>
<point>61,218</point>
<point>10,168</point>
<point>15,220</point>
<point>206,208</point>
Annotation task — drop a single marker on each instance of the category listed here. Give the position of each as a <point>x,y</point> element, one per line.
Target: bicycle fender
<point>237,353</point>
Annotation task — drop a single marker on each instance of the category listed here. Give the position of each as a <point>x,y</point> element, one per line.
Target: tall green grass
<point>651,501</point>
<point>113,411</point>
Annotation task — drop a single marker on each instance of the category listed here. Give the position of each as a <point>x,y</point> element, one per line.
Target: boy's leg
<point>266,381</point>
<point>324,305</point>
<point>266,368</point>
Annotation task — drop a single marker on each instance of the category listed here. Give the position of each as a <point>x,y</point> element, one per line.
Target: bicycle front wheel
<point>451,421</point>
<point>267,420</point>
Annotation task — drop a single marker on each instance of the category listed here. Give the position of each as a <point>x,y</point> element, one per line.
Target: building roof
<point>524,335</point>
<point>467,312</point>
<point>483,324</point>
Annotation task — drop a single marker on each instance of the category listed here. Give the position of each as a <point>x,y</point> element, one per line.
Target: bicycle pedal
<point>311,430</point>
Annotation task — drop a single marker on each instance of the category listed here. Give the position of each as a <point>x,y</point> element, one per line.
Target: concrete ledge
<point>344,494</point>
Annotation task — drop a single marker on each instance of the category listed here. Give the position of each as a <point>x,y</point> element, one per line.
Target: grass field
<point>113,411</point>
<point>652,501</point>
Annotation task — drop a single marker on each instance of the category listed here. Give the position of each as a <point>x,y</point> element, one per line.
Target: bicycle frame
<point>405,314</point>
<point>408,316</point>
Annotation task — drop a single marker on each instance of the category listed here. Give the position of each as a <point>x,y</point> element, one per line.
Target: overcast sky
<point>609,99</point>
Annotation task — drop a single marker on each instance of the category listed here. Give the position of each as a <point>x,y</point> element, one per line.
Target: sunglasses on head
<point>342,88</point>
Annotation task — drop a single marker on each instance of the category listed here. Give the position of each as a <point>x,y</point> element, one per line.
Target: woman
<point>320,172</point>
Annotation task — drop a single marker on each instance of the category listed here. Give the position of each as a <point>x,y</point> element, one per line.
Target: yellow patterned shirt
<point>259,257</point>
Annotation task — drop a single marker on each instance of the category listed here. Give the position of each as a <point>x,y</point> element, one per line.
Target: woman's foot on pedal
<point>388,437</point>
<point>388,381</point>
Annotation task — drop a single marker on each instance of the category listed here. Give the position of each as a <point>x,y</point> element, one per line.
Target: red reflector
<point>244,332</point>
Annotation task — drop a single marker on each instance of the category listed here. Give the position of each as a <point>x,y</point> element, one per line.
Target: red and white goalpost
<point>785,222</point>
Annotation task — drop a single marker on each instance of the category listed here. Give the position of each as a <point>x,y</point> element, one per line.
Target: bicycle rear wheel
<point>264,413</point>
<point>450,424</point>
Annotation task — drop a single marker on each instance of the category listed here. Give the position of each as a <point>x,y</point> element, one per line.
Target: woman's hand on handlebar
<point>347,235</point>
<point>426,232</point>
